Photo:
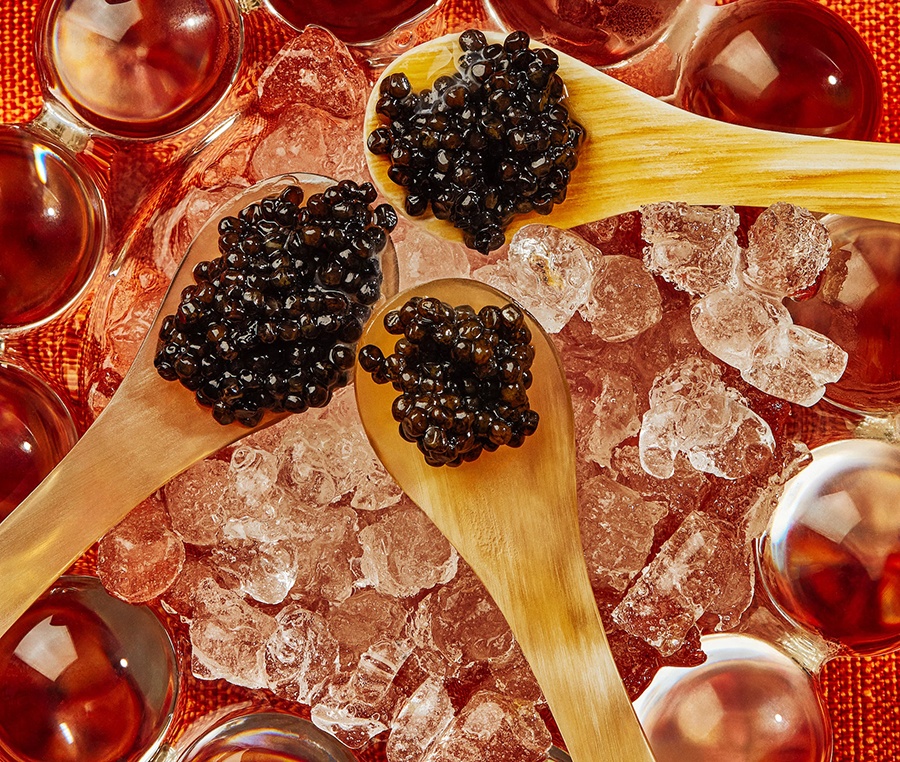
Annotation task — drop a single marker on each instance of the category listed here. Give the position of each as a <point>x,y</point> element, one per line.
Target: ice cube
<point>612,415</point>
<point>193,499</point>
<point>301,655</point>
<point>229,636</point>
<point>265,571</point>
<point>405,553</point>
<point>423,257</point>
<point>253,473</point>
<point>787,249</point>
<point>307,139</point>
<point>692,247</point>
<point>367,617</point>
<point>140,558</point>
<point>459,624</point>
<point>617,530</point>
<point>794,363</point>
<point>317,69</point>
<point>729,323</point>
<point>493,728</point>
<point>424,716</point>
<point>694,412</point>
<point>624,299</point>
<point>702,567</point>
<point>548,271</point>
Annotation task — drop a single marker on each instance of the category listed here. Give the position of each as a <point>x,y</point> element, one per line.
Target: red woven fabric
<point>861,694</point>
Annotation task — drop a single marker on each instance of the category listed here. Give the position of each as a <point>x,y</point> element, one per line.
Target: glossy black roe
<point>463,378</point>
<point>272,323</point>
<point>490,142</point>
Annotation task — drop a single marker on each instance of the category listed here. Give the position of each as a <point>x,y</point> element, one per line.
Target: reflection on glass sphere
<point>748,702</point>
<point>51,226</point>
<point>831,557</point>
<point>84,676</point>
<point>266,737</point>
<point>790,65</point>
<point>354,22</point>
<point>600,33</point>
<point>139,68</point>
<point>856,308</point>
<point>36,431</point>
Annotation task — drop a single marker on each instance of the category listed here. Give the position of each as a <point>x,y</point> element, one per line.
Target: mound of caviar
<point>490,142</point>
<point>272,323</point>
<point>463,378</point>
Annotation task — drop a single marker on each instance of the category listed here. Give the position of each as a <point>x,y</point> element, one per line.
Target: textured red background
<point>861,694</point>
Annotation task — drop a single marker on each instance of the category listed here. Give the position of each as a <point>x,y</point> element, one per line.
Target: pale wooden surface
<point>150,431</point>
<point>640,150</point>
<point>512,514</point>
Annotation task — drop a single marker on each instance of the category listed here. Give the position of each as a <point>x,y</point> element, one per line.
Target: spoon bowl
<point>150,431</point>
<point>640,150</point>
<point>512,515</point>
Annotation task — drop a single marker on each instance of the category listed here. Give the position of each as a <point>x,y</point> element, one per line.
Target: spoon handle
<point>146,435</point>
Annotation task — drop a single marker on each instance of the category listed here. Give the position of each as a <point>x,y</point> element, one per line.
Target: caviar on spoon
<point>512,514</point>
<point>634,150</point>
<point>150,431</point>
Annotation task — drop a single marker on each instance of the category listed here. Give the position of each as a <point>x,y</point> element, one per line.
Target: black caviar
<point>490,142</point>
<point>272,323</point>
<point>463,377</point>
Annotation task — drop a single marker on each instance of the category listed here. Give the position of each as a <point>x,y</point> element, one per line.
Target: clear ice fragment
<point>702,567</point>
<point>787,249</point>
<point>624,299</point>
<point>424,716</point>
<point>193,499</point>
<point>730,323</point>
<point>794,363</point>
<point>548,271</point>
<point>692,247</point>
<point>301,655</point>
<point>694,412</point>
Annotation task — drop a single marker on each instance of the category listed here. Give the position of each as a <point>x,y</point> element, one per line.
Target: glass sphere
<point>830,559</point>
<point>266,737</point>
<point>139,68</point>
<point>748,702</point>
<point>600,33</point>
<point>52,227</point>
<point>36,431</point>
<point>354,22</point>
<point>856,307</point>
<point>84,676</point>
<point>789,65</point>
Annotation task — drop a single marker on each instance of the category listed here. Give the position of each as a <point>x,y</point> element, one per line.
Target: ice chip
<point>424,716</point>
<point>493,728</point>
<point>548,271</point>
<point>423,257</point>
<point>140,558</point>
<point>301,655</point>
<point>701,563</point>
<point>787,249</point>
<point>694,412</point>
<point>794,363</point>
<point>253,473</point>
<point>729,323</point>
<point>624,299</point>
<point>612,415</point>
<point>265,571</point>
<point>367,617</point>
<point>193,500</point>
<point>692,247</point>
<point>229,636</point>
<point>405,553</point>
<point>617,530</point>
<point>317,69</point>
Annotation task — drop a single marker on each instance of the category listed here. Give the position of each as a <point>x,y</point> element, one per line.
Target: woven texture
<point>861,694</point>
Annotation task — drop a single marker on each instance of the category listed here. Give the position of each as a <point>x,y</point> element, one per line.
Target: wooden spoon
<point>512,514</point>
<point>640,150</point>
<point>150,431</point>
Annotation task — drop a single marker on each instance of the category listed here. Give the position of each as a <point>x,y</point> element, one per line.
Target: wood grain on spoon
<point>640,150</point>
<point>150,431</point>
<point>512,514</point>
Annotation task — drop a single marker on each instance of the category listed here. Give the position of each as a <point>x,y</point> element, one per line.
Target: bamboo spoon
<point>150,431</point>
<point>512,515</point>
<point>640,150</point>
